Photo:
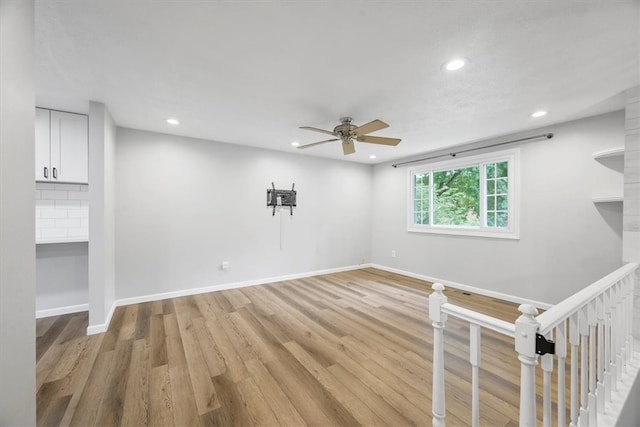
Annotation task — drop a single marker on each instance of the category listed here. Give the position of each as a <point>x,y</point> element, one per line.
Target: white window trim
<point>512,232</point>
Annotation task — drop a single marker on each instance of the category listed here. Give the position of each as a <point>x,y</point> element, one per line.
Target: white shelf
<point>607,199</point>
<point>611,152</point>
<point>64,240</point>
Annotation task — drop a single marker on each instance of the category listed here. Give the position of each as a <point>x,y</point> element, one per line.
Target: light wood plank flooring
<point>344,349</point>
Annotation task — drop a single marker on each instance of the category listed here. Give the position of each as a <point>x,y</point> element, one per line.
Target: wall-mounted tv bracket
<point>277,198</point>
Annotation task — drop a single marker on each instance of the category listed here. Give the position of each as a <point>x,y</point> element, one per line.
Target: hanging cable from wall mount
<point>279,199</point>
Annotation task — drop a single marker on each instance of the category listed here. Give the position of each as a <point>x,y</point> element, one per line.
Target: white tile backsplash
<point>53,213</point>
<point>67,187</point>
<point>45,223</point>
<point>79,195</point>
<point>45,186</point>
<point>62,212</point>
<point>77,232</point>
<point>68,223</point>
<point>83,212</point>
<point>51,233</point>
<point>54,194</point>
<point>73,204</point>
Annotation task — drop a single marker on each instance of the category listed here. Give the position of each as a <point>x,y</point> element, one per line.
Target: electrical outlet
<point>393,253</point>
<point>225,265</point>
<point>362,260</point>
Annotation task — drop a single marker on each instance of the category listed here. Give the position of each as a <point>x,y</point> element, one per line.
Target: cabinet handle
<point>46,172</point>
<point>55,173</point>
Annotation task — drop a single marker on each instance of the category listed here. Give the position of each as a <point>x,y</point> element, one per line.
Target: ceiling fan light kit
<point>348,133</point>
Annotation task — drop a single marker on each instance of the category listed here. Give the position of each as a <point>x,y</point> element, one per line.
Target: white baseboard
<point>234,285</point>
<point>58,311</point>
<point>96,329</point>
<point>466,288</point>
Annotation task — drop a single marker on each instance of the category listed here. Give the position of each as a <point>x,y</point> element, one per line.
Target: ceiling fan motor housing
<point>344,131</point>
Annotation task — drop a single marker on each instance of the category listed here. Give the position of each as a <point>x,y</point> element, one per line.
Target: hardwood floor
<point>344,349</point>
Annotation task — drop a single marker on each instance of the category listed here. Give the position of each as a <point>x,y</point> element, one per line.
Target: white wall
<point>62,278</point>
<point>17,219</point>
<point>183,206</point>
<point>109,211</point>
<point>566,242</point>
<point>101,216</point>
<point>631,223</point>
<point>630,413</point>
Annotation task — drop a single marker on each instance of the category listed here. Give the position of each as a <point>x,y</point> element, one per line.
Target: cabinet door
<point>69,147</point>
<point>43,168</point>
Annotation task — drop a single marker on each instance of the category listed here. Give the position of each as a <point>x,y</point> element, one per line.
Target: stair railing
<point>598,318</point>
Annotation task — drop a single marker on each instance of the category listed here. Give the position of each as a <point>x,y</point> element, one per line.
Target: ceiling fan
<point>347,133</point>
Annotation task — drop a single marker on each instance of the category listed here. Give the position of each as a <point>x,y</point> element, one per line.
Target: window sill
<point>470,232</point>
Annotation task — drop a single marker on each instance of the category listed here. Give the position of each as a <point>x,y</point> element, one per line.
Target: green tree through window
<point>496,176</point>
<point>472,196</point>
<point>456,197</point>
<point>421,199</point>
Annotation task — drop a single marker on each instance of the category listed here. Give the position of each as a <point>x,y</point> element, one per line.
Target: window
<point>472,196</point>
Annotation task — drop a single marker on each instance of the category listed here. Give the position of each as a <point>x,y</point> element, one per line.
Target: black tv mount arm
<point>285,197</point>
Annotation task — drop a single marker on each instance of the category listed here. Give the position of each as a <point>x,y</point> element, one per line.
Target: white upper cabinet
<point>62,147</point>
<point>43,158</point>
<point>69,147</point>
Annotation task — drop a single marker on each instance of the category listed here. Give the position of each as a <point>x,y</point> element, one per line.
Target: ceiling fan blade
<point>317,130</point>
<point>370,127</point>
<point>378,140</point>
<point>348,147</point>
<point>318,143</point>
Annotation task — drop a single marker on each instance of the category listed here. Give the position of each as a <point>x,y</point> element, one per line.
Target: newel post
<point>526,329</point>
<point>438,318</point>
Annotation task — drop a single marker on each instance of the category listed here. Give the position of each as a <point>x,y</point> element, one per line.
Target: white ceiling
<point>251,72</point>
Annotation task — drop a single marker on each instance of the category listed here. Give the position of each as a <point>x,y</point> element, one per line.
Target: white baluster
<point>625,315</point>
<point>593,404</point>
<point>574,340</point>
<point>561,352</point>
<point>615,321</point>
<point>607,345</point>
<point>547,368</point>
<point>629,320</point>
<point>600,352</point>
<point>631,298</point>
<point>474,359</point>
<point>438,319</point>
<point>619,327</point>
<point>526,328</point>
<point>584,389</point>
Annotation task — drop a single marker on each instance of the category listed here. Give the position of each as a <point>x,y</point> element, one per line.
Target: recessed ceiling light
<point>454,64</point>
<point>539,114</point>
<point>373,156</point>
<point>295,143</point>
<point>172,121</point>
